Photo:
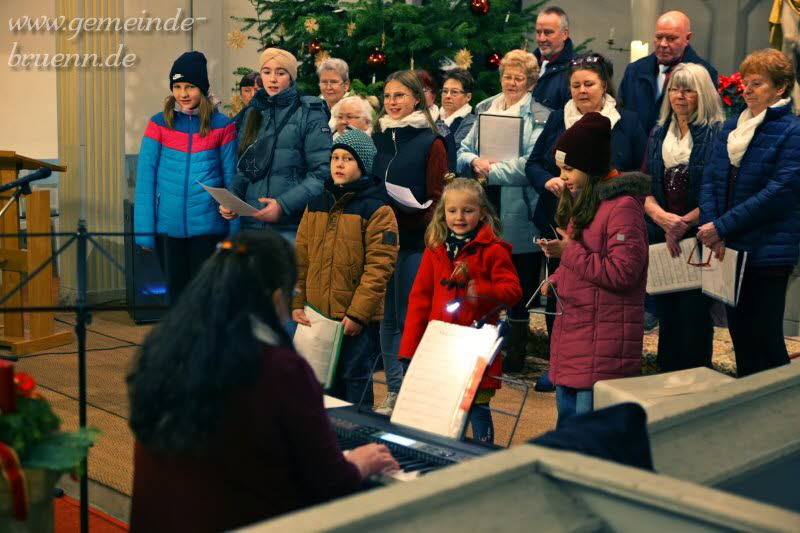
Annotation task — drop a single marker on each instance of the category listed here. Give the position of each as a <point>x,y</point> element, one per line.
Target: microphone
<point>24,181</point>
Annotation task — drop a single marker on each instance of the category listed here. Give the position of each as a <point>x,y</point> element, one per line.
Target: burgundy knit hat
<point>587,145</point>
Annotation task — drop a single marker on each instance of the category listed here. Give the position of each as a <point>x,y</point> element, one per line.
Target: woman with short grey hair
<point>334,80</point>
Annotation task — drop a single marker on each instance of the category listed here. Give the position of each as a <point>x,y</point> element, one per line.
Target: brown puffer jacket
<point>346,251</point>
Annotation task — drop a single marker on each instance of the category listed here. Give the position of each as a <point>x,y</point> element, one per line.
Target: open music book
<point>320,344</point>
<point>720,280</point>
<point>443,376</point>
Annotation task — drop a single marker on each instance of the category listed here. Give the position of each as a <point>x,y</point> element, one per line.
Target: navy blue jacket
<point>552,89</point>
<point>763,217</point>
<point>702,140</point>
<point>638,90</point>
<point>628,143</point>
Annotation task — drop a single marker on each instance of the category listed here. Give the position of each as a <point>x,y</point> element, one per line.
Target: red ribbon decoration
<point>14,475</point>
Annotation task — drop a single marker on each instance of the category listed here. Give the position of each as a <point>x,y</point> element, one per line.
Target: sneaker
<point>387,406</point>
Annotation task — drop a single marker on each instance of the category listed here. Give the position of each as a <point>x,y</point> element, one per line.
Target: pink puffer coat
<point>601,282</point>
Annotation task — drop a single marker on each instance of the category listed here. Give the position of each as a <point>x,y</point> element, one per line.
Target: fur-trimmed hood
<point>632,183</point>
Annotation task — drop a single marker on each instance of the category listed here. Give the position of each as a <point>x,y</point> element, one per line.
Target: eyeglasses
<point>699,251</point>
<point>330,83</point>
<point>396,97</point>
<point>347,117</point>
<point>682,91</point>
<point>454,92</point>
<point>427,90</point>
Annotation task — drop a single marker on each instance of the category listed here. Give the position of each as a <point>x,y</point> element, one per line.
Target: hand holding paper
<point>405,198</point>
<point>229,201</point>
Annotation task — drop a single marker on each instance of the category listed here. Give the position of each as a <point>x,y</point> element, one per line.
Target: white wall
<point>27,96</point>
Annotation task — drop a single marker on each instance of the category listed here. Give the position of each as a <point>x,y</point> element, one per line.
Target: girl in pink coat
<point>603,272</point>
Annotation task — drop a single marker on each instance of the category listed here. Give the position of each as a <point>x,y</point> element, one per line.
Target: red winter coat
<point>601,283</point>
<point>488,261</point>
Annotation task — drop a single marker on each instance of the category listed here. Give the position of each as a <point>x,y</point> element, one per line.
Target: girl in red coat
<point>464,259</point>
<point>603,272</point>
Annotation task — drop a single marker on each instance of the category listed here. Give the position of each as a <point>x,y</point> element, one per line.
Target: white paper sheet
<point>404,197</point>
<point>499,136</point>
<point>228,200</point>
<point>671,274</point>
<point>319,344</point>
<point>437,378</point>
<point>723,279</point>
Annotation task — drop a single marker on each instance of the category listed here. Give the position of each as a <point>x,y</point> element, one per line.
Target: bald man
<point>643,84</point>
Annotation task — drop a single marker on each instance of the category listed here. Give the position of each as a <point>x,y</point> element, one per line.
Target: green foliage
<point>32,431</point>
<point>430,34</point>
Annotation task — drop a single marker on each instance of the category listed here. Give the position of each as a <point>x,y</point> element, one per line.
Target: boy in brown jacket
<point>346,250</point>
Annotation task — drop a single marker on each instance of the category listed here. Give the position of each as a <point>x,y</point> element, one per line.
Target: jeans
<point>480,418</point>
<point>352,371</point>
<point>394,314</point>
<point>571,402</point>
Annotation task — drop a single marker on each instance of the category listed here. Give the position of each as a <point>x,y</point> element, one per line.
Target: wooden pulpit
<point>40,333</point>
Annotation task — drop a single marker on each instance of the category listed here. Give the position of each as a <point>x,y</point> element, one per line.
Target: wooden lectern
<point>41,334</point>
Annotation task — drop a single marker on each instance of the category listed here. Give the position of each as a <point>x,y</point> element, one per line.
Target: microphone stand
<point>25,189</point>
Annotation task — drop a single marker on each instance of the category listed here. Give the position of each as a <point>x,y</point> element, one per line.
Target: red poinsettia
<point>25,385</point>
<point>730,89</point>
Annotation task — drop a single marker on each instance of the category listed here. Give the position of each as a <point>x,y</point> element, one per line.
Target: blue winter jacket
<point>763,217</point>
<point>517,198</point>
<point>637,91</point>
<point>168,199</point>
<point>628,144</point>
<point>552,89</point>
<point>703,138</point>
<point>289,165</point>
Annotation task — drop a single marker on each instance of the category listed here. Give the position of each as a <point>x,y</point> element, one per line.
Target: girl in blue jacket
<point>187,144</point>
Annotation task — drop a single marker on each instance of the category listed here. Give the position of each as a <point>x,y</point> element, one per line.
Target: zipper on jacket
<point>386,174</point>
<point>186,181</point>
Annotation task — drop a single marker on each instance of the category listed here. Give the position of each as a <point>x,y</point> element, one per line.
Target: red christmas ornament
<point>493,60</point>
<point>376,59</point>
<point>314,47</point>
<point>479,7</point>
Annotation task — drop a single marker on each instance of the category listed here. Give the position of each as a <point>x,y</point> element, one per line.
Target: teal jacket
<point>517,197</point>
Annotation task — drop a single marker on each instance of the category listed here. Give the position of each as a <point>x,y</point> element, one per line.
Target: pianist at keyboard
<point>229,421</point>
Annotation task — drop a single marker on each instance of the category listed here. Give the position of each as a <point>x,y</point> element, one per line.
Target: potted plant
<point>34,453</point>
<point>730,89</point>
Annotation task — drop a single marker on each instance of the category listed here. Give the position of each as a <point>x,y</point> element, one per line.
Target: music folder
<point>499,136</point>
<point>320,344</point>
<point>443,377</point>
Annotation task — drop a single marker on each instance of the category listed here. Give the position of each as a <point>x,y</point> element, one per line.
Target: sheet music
<point>404,197</point>
<point>672,274</point>
<point>228,200</point>
<point>499,136</point>
<point>438,377</point>
<point>319,344</point>
<point>722,279</point>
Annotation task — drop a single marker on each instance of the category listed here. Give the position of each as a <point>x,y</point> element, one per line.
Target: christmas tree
<point>377,37</point>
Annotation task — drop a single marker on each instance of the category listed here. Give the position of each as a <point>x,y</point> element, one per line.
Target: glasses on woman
<point>339,116</point>
<point>330,83</point>
<point>396,97</point>
<point>454,92</point>
<point>683,91</point>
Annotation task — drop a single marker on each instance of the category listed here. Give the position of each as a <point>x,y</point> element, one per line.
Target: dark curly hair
<point>204,347</point>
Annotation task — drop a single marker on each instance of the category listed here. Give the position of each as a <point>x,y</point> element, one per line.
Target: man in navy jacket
<point>642,85</point>
<point>554,55</point>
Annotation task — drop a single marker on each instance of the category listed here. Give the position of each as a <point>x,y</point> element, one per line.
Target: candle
<point>412,62</point>
<point>639,50</point>
<point>611,33</point>
<point>8,398</point>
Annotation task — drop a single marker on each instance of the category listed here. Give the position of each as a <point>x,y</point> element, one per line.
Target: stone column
<point>644,14</point>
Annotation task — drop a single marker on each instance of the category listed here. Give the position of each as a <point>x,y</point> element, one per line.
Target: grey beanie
<point>360,145</point>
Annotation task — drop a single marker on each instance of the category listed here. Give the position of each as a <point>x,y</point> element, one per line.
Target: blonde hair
<point>523,60</point>
<point>694,77</point>
<point>410,80</point>
<point>206,110</point>
<point>436,232</point>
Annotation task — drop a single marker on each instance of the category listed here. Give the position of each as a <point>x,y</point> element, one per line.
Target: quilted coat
<point>346,250</point>
<point>290,165</point>
<point>168,199</point>
<point>488,262</point>
<point>601,283</point>
<point>763,217</point>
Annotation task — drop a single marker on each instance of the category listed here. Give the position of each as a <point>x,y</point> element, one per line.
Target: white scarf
<point>572,115</point>
<point>462,111</point>
<point>739,139</point>
<point>434,111</point>
<point>674,150</point>
<point>415,120</point>
<point>498,106</point>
